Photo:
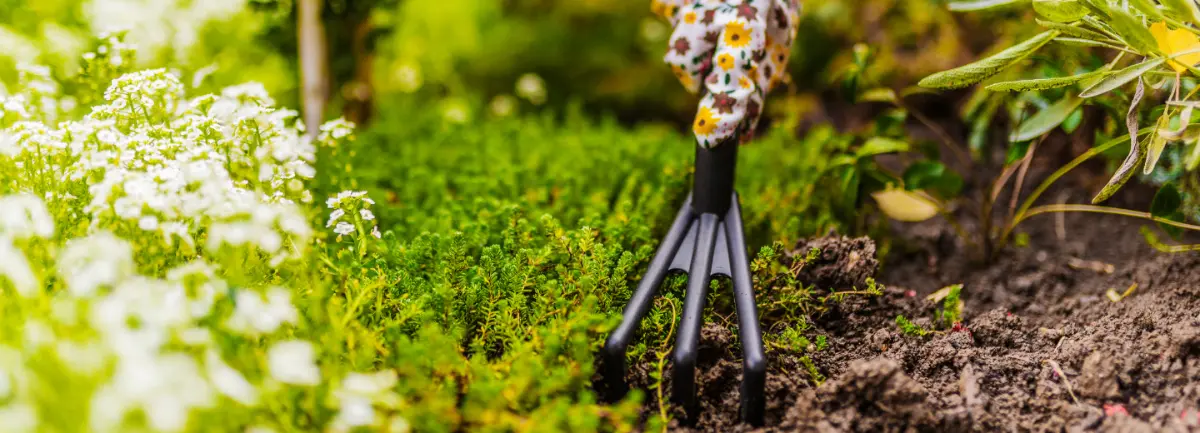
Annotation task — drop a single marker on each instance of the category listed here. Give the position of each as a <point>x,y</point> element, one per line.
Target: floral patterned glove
<point>748,41</point>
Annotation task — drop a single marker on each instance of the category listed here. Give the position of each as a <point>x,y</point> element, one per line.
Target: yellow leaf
<point>1172,42</point>
<point>907,206</point>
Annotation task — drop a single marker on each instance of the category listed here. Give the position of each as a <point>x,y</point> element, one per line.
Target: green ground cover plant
<point>464,281</point>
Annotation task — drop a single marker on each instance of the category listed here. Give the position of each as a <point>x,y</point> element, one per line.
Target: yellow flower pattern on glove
<point>732,52</point>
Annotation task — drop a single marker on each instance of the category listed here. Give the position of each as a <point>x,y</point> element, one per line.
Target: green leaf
<point>1016,152</point>
<point>1158,142</point>
<point>1047,119</point>
<point>1098,7</point>
<point>1081,42</point>
<point>1073,121</point>
<point>1121,77</point>
<point>1167,201</point>
<point>1167,204</point>
<point>980,5</point>
<point>932,176</point>
<point>1149,8</point>
<point>881,145</point>
<point>1132,31</point>
<point>1183,9</point>
<point>1124,172</point>
<point>967,75</point>
<point>1045,83</point>
<point>1071,30</point>
<point>1062,11</point>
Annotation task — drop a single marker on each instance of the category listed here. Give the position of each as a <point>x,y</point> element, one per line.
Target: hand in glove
<point>732,52</point>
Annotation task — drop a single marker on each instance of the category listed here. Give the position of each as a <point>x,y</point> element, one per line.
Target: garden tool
<point>738,50</point>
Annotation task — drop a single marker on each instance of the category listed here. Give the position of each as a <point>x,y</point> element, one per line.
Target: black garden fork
<point>706,241</point>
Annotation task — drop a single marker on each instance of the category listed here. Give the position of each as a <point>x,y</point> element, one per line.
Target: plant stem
<point>1050,208</point>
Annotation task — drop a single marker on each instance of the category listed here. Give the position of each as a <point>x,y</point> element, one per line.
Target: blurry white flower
<point>166,388</point>
<point>343,228</point>
<point>255,315</point>
<point>15,268</point>
<point>455,111</point>
<point>25,215</point>
<point>503,105</point>
<point>293,362</point>
<point>375,232</point>
<point>408,77</point>
<point>366,214</point>
<point>333,216</point>
<point>228,381</point>
<point>399,424</point>
<point>18,418</point>
<point>5,385</point>
<point>357,396</point>
<point>99,259</point>
<point>532,88</point>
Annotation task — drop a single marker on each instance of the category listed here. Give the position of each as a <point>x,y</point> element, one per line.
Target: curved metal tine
<point>684,373</point>
<point>754,366</point>
<point>639,304</point>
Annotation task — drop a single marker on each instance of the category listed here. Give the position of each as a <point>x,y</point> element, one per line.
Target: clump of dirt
<point>872,395</point>
<point>842,262</point>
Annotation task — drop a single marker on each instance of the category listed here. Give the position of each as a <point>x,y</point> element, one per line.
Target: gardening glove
<point>732,52</point>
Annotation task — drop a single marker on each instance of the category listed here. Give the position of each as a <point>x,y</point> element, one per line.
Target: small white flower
<point>343,228</point>
<point>228,381</point>
<point>366,214</point>
<point>333,217</point>
<point>293,362</point>
<point>254,315</point>
<point>355,412</point>
<point>94,261</point>
<point>375,232</point>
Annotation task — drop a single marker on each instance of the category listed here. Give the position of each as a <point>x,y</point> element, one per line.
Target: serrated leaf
<point>907,206</point>
<point>979,5</point>
<point>967,75</point>
<point>1149,8</point>
<point>881,145</point>
<point>1184,9</point>
<point>1071,30</point>
<point>1047,119</point>
<point>1062,11</point>
<point>1120,78</point>
<point>1131,30</point>
<point>1045,83</point>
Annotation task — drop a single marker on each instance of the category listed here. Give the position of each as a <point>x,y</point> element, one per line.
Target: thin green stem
<point>1087,208</point>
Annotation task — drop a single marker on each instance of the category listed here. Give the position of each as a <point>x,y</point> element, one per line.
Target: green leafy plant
<point>907,327</point>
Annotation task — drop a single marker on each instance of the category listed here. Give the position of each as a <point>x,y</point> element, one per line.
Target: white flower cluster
<point>351,213</point>
<point>160,163</point>
<point>133,288</point>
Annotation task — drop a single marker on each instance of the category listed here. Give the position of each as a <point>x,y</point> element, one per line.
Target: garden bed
<point>1032,316</point>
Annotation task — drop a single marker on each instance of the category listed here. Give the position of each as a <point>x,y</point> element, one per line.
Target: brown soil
<point>1040,348</point>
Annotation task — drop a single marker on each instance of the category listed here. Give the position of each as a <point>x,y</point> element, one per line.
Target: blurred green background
<point>473,58</point>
